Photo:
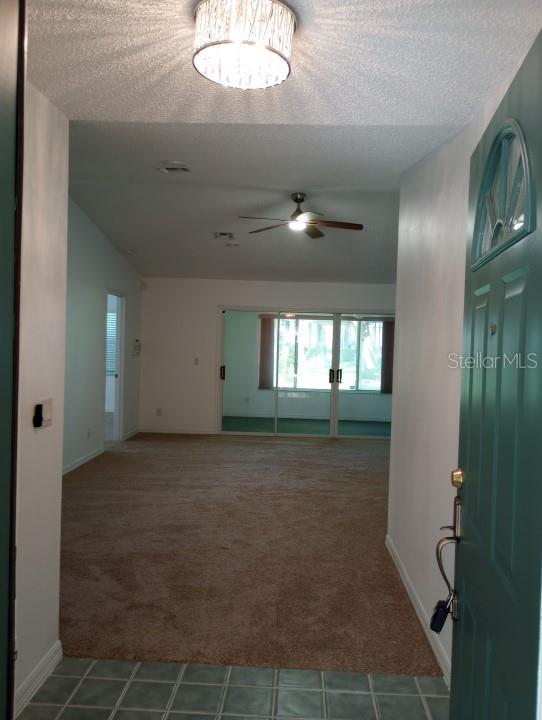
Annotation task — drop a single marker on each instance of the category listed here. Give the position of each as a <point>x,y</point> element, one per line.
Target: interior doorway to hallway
<point>114,332</point>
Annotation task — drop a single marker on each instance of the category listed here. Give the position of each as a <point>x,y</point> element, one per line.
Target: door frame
<point>336,315</point>
<point>10,411</point>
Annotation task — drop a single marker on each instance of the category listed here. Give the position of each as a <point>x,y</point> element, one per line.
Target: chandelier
<point>244,44</point>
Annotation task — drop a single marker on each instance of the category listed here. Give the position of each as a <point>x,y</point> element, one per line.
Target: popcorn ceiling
<point>379,62</point>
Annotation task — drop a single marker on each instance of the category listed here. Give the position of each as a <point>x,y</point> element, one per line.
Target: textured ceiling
<point>375,86</point>
<point>361,62</point>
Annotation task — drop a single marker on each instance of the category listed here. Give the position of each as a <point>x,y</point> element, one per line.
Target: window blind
<point>111,343</point>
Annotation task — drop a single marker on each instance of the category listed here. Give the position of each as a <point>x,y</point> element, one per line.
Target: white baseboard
<point>438,648</point>
<point>82,460</point>
<point>41,672</point>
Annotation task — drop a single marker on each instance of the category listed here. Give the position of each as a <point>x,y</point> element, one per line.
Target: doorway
<point>326,374</point>
<point>114,333</point>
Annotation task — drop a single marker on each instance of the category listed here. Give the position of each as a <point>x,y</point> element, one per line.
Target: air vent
<point>223,235</point>
<point>173,166</point>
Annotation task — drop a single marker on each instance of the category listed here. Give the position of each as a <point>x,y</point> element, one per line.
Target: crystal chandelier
<point>244,44</point>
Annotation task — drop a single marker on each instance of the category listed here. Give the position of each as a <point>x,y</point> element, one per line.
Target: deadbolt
<point>458,478</point>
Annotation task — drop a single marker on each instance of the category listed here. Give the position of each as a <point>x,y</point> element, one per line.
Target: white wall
<point>95,268</point>
<point>182,345</point>
<point>41,368</point>
<point>429,323</point>
<point>242,396</point>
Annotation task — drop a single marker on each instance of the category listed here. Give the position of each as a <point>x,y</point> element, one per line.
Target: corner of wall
<point>33,681</point>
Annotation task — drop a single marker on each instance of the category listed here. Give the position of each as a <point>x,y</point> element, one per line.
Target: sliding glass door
<point>364,378</point>
<point>303,378</point>
<point>248,394</point>
<point>306,373</point>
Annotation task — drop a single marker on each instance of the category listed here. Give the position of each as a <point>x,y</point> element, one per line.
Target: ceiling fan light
<point>297,225</point>
<point>244,44</point>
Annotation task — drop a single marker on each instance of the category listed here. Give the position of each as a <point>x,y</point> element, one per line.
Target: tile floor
<point>81,689</point>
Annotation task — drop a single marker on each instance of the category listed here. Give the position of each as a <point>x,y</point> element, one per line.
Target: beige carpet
<point>241,550</point>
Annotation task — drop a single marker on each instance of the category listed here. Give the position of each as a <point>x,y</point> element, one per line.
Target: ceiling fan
<point>307,222</point>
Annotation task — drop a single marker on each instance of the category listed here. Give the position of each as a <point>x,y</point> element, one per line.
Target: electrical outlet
<point>158,412</point>
<point>196,361</point>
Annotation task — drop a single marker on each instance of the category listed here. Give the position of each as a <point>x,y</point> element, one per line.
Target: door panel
<point>498,564</point>
<point>508,419</point>
<point>476,394</point>
<point>11,77</point>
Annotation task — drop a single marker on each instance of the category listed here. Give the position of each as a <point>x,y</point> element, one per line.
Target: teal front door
<point>495,670</point>
<point>10,44</point>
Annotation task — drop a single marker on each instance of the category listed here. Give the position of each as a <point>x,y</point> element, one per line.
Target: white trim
<point>82,460</point>
<point>297,310</point>
<point>34,680</point>
<point>434,640</point>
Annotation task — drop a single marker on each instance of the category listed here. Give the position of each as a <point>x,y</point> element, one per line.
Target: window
<point>361,354</point>
<point>505,212</point>
<point>111,343</point>
<point>305,348</point>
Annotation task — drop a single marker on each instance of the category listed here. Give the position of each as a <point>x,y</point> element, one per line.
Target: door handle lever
<point>451,604</point>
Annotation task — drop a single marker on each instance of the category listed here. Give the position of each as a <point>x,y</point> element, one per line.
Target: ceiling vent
<point>173,166</point>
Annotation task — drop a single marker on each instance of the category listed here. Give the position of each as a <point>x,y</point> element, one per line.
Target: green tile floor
<point>82,689</point>
<point>301,426</point>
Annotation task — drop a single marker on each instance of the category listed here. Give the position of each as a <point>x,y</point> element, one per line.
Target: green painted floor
<point>300,426</point>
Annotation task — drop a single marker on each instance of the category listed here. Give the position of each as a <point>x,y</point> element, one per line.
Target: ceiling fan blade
<point>338,225</point>
<point>306,216</point>
<point>313,232</point>
<point>249,217</point>
<point>269,227</point>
